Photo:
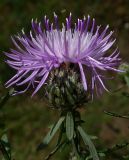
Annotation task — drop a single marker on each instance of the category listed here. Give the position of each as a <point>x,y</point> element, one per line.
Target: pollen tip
<point>88,16</point>
<point>45,16</point>
<point>55,15</point>
<point>23,31</point>
<point>36,20</point>
<point>107,26</point>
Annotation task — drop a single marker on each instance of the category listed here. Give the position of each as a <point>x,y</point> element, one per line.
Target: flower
<point>84,45</point>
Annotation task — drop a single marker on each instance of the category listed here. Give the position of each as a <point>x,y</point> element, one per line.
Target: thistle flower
<point>85,46</point>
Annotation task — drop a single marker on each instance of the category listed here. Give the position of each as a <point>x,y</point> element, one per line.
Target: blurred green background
<point>26,118</point>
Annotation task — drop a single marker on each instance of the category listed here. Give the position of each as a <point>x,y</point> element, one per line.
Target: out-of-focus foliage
<point>27,118</point>
<point>5,147</point>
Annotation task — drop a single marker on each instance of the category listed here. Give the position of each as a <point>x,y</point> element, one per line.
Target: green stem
<point>116,115</point>
<point>115,148</point>
<point>55,150</point>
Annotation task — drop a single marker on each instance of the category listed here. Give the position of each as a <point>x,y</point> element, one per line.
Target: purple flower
<point>85,45</point>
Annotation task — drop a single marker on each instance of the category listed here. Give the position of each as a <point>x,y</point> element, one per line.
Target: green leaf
<point>60,136</point>
<point>63,146</point>
<point>69,126</point>
<point>75,149</point>
<point>88,142</point>
<point>127,80</point>
<point>5,147</point>
<point>50,134</point>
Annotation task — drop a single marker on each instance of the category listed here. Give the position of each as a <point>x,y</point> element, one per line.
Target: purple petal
<point>83,76</point>
<point>41,83</point>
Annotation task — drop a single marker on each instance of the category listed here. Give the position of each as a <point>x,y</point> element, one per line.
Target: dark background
<point>27,118</point>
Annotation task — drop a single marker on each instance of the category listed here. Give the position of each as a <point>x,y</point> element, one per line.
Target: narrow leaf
<point>51,134</point>
<point>5,148</point>
<point>127,80</point>
<point>60,136</point>
<point>88,142</point>
<point>69,126</point>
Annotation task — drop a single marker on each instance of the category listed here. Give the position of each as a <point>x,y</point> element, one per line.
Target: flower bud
<point>65,89</point>
<point>124,67</point>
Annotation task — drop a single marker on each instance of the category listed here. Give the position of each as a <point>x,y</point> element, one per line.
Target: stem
<point>116,115</point>
<point>5,98</point>
<point>111,151</point>
<point>115,148</point>
<point>54,150</point>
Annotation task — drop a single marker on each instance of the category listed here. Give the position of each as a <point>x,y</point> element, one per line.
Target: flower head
<point>85,45</point>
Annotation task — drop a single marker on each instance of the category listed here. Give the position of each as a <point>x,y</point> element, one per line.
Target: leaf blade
<point>5,147</point>
<point>88,142</point>
<point>69,126</point>
<point>50,134</point>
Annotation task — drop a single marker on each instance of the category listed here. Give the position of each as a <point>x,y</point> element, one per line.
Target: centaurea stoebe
<point>85,46</point>
<point>73,61</point>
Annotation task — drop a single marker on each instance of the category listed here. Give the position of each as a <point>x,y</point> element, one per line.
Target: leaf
<point>5,147</point>
<point>60,136</point>
<point>54,151</point>
<point>75,150</point>
<point>69,126</point>
<point>88,142</point>
<point>63,146</point>
<point>127,80</point>
<point>50,134</point>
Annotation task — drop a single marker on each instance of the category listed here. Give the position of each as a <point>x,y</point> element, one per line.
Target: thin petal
<point>83,76</point>
<point>41,83</point>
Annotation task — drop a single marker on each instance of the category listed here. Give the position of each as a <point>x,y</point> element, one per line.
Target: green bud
<point>124,75</point>
<point>124,67</point>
